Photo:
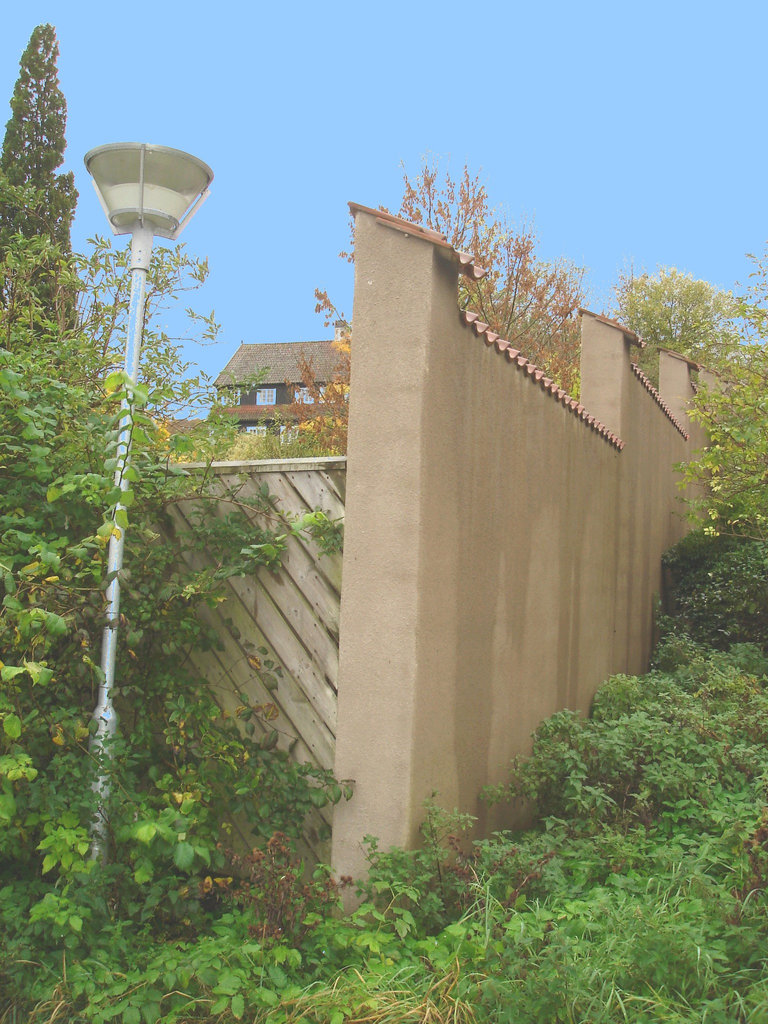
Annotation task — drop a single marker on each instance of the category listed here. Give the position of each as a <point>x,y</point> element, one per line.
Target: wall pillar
<point>378,654</point>
<point>605,359</point>
<point>675,384</point>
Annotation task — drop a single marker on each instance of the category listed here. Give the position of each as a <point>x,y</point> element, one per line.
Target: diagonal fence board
<point>293,613</point>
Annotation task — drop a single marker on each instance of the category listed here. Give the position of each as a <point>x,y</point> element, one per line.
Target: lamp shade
<point>154,187</point>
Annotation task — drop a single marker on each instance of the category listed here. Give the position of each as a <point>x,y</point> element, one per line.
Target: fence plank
<point>294,613</point>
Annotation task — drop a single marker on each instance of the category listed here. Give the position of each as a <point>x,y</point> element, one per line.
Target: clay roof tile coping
<point>465,260</point>
<point>677,355</point>
<point>538,376</point>
<point>628,334</point>
<point>658,399</point>
<point>468,266</point>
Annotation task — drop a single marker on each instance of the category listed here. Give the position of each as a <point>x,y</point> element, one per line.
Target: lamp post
<point>144,191</point>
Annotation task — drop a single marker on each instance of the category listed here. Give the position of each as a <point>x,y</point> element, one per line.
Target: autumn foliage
<point>324,418</point>
<point>528,301</point>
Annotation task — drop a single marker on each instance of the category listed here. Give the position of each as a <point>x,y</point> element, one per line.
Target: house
<point>267,380</point>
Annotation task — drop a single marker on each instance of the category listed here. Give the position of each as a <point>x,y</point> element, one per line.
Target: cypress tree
<point>34,145</point>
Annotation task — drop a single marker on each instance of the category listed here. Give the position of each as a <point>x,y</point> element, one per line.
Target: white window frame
<point>303,396</point>
<point>266,396</point>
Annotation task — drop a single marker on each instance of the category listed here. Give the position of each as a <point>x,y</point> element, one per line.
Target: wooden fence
<point>292,614</point>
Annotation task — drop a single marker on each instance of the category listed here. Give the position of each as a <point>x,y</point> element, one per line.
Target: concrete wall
<point>502,545</point>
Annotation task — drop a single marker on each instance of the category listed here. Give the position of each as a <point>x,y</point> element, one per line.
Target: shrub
<point>719,589</point>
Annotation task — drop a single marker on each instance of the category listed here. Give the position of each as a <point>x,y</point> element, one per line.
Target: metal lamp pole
<point>144,191</point>
<point>104,713</point>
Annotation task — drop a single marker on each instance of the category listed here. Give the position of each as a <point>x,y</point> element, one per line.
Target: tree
<point>180,765</point>
<point>671,309</point>
<point>323,420</point>
<point>34,146</point>
<point>526,300</point>
<point>733,408</point>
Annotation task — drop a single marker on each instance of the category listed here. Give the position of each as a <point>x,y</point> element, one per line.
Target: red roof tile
<point>629,335</point>
<point>466,260</point>
<point>538,378</point>
<point>658,399</point>
<point>677,355</point>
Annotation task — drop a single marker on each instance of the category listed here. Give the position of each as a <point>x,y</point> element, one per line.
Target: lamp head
<point>150,187</point>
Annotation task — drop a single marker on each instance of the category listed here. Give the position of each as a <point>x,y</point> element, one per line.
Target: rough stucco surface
<point>501,558</point>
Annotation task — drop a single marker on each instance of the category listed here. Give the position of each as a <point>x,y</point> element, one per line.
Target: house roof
<point>281,361</point>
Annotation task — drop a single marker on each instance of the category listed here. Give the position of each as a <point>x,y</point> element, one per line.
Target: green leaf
<point>9,672</point>
<point>150,1012</point>
<point>237,1006</point>
<point>318,797</point>
<point>7,808</point>
<point>143,873</point>
<point>40,674</point>
<point>277,975</point>
<point>53,493</point>
<point>12,726</point>
<point>146,833</point>
<point>183,856</point>
<point>55,624</point>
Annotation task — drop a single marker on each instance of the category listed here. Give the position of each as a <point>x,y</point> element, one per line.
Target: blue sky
<point>627,132</point>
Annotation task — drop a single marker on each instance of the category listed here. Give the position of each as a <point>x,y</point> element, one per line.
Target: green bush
<point>184,777</point>
<point>719,589</point>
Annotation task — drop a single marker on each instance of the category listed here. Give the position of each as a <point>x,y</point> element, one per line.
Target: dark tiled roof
<point>658,399</point>
<point>538,378</point>
<point>466,261</point>
<point>182,426</point>
<point>281,360</point>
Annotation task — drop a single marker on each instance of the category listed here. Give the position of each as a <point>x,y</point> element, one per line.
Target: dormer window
<point>266,396</point>
<point>303,396</point>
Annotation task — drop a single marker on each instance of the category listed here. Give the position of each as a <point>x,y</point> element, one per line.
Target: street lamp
<point>144,191</point>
